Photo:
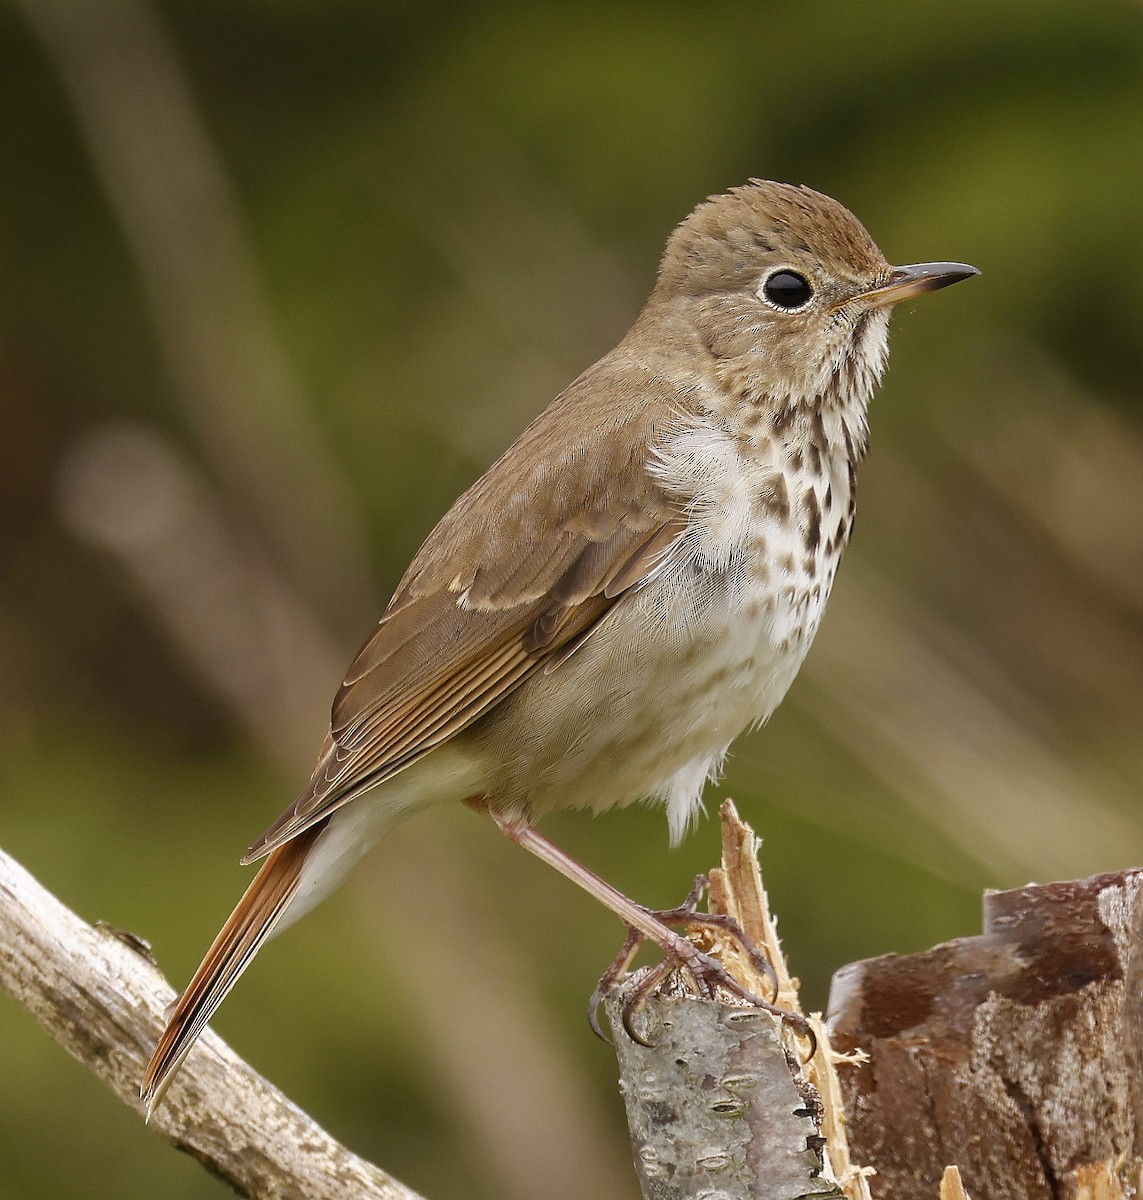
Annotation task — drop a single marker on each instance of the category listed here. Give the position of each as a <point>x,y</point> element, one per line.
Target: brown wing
<point>517,574</point>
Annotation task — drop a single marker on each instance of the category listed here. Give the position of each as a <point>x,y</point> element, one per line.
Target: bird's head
<point>788,293</point>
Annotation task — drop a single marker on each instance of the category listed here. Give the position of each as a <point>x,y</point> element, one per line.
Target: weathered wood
<point>713,1106</point>
<point>1015,1054</point>
<point>97,993</point>
<point>727,1101</point>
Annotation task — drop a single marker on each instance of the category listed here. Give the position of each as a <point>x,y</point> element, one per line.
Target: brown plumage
<point>630,585</point>
<point>247,927</point>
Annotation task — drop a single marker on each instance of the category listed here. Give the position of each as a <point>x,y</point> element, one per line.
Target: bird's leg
<point>645,924</point>
<point>627,954</point>
<point>688,914</point>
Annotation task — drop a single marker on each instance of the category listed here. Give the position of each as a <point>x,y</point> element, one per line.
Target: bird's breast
<point>767,520</point>
<point>706,646</point>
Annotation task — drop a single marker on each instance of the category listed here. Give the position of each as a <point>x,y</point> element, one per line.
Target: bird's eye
<point>787,289</point>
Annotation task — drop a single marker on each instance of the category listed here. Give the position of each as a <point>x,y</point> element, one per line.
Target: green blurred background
<point>278,279</point>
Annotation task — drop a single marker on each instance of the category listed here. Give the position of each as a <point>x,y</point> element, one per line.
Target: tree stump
<point>1014,1054</point>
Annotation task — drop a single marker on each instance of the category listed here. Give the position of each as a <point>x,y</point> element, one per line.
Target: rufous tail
<point>247,927</point>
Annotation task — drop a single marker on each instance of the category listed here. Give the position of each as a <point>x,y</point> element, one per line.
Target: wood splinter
<point>724,1100</point>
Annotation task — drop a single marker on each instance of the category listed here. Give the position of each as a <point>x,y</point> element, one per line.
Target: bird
<point>634,583</point>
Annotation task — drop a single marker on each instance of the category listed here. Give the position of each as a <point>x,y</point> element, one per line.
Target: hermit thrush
<point>631,585</point>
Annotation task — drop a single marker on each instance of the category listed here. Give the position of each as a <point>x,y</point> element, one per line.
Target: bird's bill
<point>916,280</point>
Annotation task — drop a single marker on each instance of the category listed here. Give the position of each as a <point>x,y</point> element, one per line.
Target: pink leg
<point>643,923</point>
<point>635,916</point>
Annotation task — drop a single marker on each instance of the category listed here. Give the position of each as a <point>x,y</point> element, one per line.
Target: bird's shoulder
<point>578,474</point>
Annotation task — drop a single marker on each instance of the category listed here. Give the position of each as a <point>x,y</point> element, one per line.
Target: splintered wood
<point>726,1100</point>
<point>736,889</point>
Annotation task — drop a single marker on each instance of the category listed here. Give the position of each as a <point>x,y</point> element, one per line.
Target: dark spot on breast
<point>810,566</point>
<point>797,458</point>
<point>786,566</point>
<point>776,498</point>
<point>839,537</point>
<point>754,419</point>
<point>817,431</point>
<point>784,418</point>
<point>813,519</point>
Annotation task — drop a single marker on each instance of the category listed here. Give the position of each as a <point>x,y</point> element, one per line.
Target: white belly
<point>704,649</point>
<point>650,703</point>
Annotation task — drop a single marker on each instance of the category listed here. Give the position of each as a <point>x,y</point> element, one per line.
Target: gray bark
<point>714,1106</point>
<point>727,1102</point>
<point>97,993</point>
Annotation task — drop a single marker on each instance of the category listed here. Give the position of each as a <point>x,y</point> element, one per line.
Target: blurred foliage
<point>278,280</point>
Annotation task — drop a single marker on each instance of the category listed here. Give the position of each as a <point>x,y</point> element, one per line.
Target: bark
<point>714,1107</point>
<point>1015,1054</point>
<point>96,991</point>
<point>728,1101</point>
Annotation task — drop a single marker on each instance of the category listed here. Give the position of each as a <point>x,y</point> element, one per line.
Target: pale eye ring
<point>787,290</point>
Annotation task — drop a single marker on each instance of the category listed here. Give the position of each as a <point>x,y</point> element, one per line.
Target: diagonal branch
<point>96,991</point>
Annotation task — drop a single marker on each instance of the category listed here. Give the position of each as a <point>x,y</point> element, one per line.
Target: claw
<point>597,998</point>
<point>630,1030</point>
<point>803,1028</point>
<point>638,997</point>
<point>705,971</point>
<point>608,980</point>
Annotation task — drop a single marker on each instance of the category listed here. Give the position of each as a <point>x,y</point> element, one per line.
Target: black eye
<point>787,289</point>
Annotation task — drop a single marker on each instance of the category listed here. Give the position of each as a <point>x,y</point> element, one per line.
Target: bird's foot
<point>679,953</point>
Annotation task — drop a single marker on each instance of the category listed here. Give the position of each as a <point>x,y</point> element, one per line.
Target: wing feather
<point>516,577</point>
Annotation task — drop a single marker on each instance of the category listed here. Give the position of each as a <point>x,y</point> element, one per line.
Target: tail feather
<point>246,929</point>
